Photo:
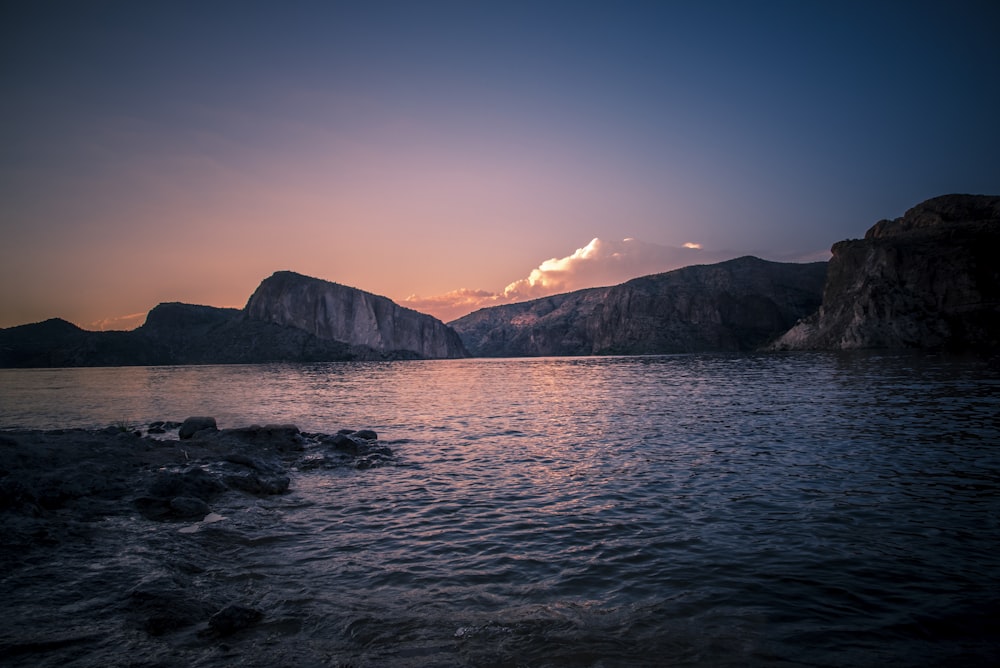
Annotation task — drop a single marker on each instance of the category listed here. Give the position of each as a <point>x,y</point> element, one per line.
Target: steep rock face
<point>737,305</point>
<point>930,279</point>
<point>335,312</point>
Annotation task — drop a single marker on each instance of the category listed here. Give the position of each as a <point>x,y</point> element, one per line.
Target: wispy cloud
<point>599,263</point>
<point>120,322</point>
<point>454,304</point>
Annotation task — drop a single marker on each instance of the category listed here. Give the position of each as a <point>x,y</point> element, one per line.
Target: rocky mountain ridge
<point>737,305</point>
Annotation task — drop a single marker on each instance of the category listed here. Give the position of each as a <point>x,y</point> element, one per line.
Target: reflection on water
<point>803,509</point>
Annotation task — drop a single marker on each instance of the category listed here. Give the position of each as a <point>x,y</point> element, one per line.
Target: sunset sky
<point>465,152</point>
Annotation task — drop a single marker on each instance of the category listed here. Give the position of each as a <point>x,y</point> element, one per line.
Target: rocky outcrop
<point>336,312</point>
<point>737,305</point>
<point>929,279</point>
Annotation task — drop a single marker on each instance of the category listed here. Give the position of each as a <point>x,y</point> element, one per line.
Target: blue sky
<point>162,151</point>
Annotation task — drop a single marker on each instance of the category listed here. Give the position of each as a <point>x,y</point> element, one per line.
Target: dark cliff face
<point>335,312</point>
<point>929,279</point>
<point>737,305</point>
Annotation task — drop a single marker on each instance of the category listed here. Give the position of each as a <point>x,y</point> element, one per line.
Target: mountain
<point>929,279</point>
<point>740,304</point>
<point>177,333</point>
<point>335,312</point>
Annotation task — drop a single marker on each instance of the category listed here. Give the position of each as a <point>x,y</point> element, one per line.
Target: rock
<point>929,279</point>
<point>283,437</point>
<point>366,434</point>
<point>194,482</point>
<point>261,485</point>
<point>737,305</point>
<point>340,313</point>
<point>193,425</point>
<point>233,618</point>
<point>344,443</point>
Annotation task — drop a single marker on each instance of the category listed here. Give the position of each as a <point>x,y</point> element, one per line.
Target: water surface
<point>785,510</point>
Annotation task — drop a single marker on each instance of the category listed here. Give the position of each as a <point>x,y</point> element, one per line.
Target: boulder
<point>193,425</point>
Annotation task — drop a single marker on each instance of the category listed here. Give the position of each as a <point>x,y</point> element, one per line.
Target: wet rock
<point>344,443</point>
<point>281,437</point>
<point>179,495</point>
<point>194,482</point>
<point>233,618</point>
<point>362,445</point>
<point>261,485</point>
<point>254,463</point>
<point>194,425</point>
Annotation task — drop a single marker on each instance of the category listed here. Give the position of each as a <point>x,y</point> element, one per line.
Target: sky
<point>453,155</point>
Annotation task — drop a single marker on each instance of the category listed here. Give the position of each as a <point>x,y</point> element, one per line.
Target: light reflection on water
<point>715,509</point>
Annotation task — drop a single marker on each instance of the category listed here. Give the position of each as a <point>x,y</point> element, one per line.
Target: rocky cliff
<point>737,305</point>
<point>929,279</point>
<point>335,312</point>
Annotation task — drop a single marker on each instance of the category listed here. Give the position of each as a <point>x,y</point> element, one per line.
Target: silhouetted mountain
<point>740,304</point>
<point>930,279</point>
<point>177,333</point>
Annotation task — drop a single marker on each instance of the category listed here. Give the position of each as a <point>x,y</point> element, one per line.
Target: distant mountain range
<point>737,305</point>
<point>929,279</point>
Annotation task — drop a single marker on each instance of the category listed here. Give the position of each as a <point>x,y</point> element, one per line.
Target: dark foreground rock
<point>50,480</point>
<point>124,536</point>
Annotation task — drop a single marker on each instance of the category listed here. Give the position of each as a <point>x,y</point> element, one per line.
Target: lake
<point>808,509</point>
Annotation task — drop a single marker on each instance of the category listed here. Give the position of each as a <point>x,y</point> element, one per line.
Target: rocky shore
<point>63,492</point>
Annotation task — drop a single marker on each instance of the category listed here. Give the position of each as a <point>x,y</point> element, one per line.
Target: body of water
<point>693,510</point>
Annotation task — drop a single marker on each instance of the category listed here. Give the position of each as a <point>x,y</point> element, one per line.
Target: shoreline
<point>61,490</point>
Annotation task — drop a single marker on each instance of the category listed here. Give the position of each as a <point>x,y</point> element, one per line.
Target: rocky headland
<point>72,501</point>
<point>738,305</point>
<point>333,312</point>
<point>929,279</point>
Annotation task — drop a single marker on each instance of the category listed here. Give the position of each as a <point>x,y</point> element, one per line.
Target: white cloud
<point>121,322</point>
